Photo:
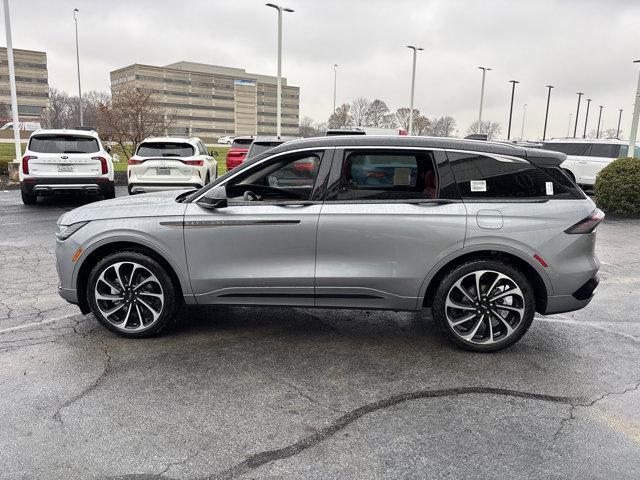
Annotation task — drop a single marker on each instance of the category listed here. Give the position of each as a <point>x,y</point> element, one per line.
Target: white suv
<point>64,161</point>
<point>586,157</point>
<point>168,163</point>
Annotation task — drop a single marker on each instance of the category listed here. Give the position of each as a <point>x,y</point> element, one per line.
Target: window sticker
<point>549,186</point>
<point>402,176</point>
<point>478,185</point>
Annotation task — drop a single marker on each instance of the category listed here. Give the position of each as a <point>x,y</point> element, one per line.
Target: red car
<point>238,151</point>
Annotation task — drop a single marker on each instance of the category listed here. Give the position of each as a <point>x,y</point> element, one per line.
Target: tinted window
<point>482,176</point>
<point>604,150</point>
<point>63,144</point>
<point>625,148</point>
<point>257,148</point>
<point>165,149</point>
<point>392,175</point>
<point>241,142</point>
<point>572,148</point>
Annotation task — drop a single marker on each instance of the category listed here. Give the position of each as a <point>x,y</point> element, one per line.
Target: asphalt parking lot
<point>300,393</point>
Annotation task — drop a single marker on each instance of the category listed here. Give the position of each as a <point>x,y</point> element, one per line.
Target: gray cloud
<point>575,45</point>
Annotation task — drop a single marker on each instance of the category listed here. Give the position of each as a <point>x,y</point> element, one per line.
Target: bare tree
<point>341,117</point>
<point>308,128</point>
<point>376,114</point>
<point>443,127</point>
<point>358,111</point>
<point>402,118</point>
<point>610,133</point>
<point>131,116</point>
<point>91,103</point>
<point>58,113</point>
<point>421,125</point>
<point>491,129</point>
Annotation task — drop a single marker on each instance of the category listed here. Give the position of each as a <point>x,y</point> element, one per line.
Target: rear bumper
<point>53,185</point>
<point>160,187</point>
<point>233,162</point>
<point>577,300</point>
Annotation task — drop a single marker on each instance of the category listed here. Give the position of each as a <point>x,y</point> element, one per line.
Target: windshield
<point>258,148</point>
<point>241,142</point>
<point>63,144</point>
<point>165,149</point>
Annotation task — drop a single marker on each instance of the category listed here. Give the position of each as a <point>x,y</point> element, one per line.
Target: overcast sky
<point>579,45</point>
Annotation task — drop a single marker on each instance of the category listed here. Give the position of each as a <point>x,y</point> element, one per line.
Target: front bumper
<point>53,185</point>
<point>69,294</point>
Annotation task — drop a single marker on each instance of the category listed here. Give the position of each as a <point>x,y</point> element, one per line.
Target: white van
<point>586,157</point>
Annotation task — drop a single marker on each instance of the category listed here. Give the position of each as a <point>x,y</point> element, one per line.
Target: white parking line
<point>34,324</point>
<point>597,326</point>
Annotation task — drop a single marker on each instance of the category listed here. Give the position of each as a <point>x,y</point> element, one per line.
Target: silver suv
<point>485,234</point>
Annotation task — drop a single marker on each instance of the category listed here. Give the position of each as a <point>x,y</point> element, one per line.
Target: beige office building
<point>210,101</point>
<point>32,84</point>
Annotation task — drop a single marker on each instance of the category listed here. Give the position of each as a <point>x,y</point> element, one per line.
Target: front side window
<point>165,149</point>
<point>501,177</point>
<point>290,177</point>
<point>63,144</point>
<point>388,175</point>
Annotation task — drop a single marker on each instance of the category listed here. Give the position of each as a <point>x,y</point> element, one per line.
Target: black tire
<point>462,273</point>
<point>207,179</point>
<point>167,310</point>
<point>111,193</point>
<point>28,198</point>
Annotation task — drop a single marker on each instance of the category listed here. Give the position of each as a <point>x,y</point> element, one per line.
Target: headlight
<point>65,231</point>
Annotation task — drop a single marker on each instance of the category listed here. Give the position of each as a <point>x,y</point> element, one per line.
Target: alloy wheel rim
<point>129,296</point>
<point>485,307</point>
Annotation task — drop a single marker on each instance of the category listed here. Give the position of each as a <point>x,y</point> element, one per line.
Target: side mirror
<point>214,153</point>
<point>216,198</point>
<point>108,149</point>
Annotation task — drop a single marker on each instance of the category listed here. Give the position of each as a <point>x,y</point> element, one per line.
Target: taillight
<point>103,164</point>
<point>25,163</point>
<point>588,224</point>
<point>133,161</point>
<point>193,163</point>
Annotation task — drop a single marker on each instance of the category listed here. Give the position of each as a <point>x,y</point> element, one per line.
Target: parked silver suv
<point>485,234</point>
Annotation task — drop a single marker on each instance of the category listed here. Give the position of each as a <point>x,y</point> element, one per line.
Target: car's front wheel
<point>484,305</point>
<point>131,294</point>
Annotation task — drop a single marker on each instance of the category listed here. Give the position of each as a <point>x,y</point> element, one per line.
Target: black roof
<point>535,155</point>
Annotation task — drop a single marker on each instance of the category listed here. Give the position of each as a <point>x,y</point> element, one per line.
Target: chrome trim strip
<point>179,224</point>
<point>235,223</point>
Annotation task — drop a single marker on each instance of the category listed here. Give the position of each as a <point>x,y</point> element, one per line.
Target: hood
<point>158,204</point>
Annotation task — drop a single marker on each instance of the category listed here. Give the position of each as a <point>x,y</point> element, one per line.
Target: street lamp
<point>599,118</point>
<point>75,19</point>
<point>619,120</point>
<point>586,119</point>
<point>484,74</point>
<point>413,84</point>
<point>513,92</point>
<point>279,88</point>
<point>335,83</point>
<point>575,129</point>
<point>12,87</point>
<point>524,115</point>
<point>546,115</point>
<point>634,121</point>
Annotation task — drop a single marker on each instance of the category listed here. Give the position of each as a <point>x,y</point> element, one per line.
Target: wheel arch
<point>539,280</point>
<point>103,250</point>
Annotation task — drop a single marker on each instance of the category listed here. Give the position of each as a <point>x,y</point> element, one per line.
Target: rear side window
<point>604,150</point>
<point>63,144</point>
<point>165,149</point>
<point>241,142</point>
<point>501,177</point>
<point>392,175</point>
<point>575,149</point>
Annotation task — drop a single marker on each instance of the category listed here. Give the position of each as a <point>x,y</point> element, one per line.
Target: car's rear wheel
<point>484,305</point>
<point>29,199</point>
<point>131,294</point>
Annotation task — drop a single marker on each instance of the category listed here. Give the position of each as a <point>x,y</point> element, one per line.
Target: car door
<point>260,248</point>
<point>389,216</point>
<point>600,155</point>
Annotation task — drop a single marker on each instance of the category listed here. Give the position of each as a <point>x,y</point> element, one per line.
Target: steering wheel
<point>249,196</point>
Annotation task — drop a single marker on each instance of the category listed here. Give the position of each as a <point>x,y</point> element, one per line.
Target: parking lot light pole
<point>619,120</point>
<point>634,120</point>
<point>335,84</point>
<point>279,87</point>
<point>413,85</point>
<point>12,87</point>
<point>524,115</point>
<point>546,115</point>
<point>575,128</point>
<point>484,74</point>
<point>513,93</point>
<point>586,118</point>
<point>599,118</point>
<point>75,19</point>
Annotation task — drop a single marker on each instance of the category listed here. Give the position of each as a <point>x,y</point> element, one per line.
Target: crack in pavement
<point>57,416</point>
<point>259,459</point>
